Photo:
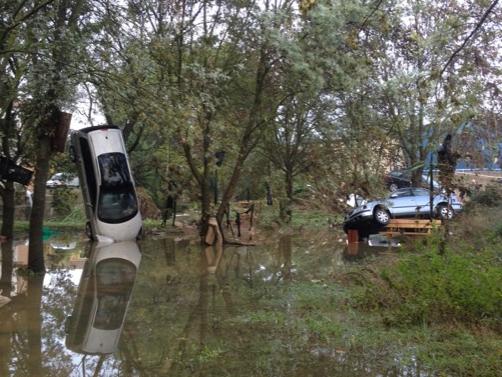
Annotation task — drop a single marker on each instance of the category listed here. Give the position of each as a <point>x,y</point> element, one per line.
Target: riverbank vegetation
<point>448,305</point>
<point>236,100</point>
<point>294,105</point>
<point>305,300</point>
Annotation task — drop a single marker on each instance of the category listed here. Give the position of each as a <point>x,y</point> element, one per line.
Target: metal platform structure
<point>410,227</point>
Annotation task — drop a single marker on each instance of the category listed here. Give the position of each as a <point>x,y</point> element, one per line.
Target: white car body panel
<point>98,340</point>
<point>120,232</point>
<point>105,140</point>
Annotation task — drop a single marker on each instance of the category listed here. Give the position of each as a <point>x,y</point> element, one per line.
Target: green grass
<point>446,307</point>
<point>462,285</point>
<point>74,222</point>
<point>301,217</point>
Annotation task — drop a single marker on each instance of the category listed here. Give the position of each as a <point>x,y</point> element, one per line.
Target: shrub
<point>64,200</point>
<point>490,196</point>
<point>463,285</point>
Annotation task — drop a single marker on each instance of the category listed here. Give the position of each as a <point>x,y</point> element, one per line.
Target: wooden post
<point>353,236</point>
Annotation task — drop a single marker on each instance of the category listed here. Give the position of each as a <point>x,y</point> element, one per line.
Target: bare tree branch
<point>476,28</point>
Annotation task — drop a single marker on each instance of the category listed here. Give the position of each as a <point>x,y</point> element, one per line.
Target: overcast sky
<point>80,118</point>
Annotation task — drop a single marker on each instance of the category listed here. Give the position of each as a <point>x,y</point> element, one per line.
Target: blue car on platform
<point>404,202</point>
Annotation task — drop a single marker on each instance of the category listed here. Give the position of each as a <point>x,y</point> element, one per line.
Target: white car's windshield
<point>117,200</point>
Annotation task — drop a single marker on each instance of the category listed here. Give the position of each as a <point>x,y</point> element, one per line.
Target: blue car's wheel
<point>444,212</point>
<point>381,216</point>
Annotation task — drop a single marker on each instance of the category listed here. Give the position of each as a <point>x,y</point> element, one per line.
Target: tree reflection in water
<point>191,311</point>
<point>21,330</point>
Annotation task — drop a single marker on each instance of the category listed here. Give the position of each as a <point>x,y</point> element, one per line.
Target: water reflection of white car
<point>103,297</point>
<point>107,184</point>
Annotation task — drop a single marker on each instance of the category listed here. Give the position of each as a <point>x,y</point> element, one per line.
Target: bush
<point>490,196</point>
<point>64,200</point>
<point>463,285</point>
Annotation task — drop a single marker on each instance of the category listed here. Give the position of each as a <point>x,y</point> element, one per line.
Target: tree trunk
<point>230,187</point>
<point>289,184</point>
<point>7,267</point>
<point>8,192</point>
<point>6,318</point>
<point>36,250</point>
<point>9,207</point>
<point>5,355</point>
<point>205,200</point>
<point>34,319</point>
<point>285,247</point>
<point>416,177</point>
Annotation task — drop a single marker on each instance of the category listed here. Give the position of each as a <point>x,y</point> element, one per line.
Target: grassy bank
<point>301,217</point>
<point>448,306</point>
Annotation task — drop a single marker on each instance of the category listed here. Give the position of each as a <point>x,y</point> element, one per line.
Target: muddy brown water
<point>167,307</point>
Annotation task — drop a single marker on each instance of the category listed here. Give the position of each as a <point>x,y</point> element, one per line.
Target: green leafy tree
<point>205,69</point>
<point>14,50</point>
<point>422,91</point>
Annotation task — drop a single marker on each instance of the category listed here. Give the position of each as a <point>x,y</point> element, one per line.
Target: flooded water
<point>167,307</point>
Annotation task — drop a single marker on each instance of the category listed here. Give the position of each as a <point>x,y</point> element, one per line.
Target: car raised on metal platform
<point>406,202</point>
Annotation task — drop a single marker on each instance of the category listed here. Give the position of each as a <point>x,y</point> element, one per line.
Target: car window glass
<point>420,192</point>
<point>117,198</point>
<point>89,170</point>
<point>401,193</point>
<point>114,170</point>
<point>115,279</point>
<point>402,174</point>
<point>117,205</point>
<point>84,315</point>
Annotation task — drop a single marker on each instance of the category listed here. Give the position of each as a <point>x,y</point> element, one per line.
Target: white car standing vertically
<point>108,189</point>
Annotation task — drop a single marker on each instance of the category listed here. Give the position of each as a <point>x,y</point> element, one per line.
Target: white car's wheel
<point>381,216</point>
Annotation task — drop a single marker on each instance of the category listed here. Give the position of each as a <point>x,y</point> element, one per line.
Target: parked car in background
<point>397,179</point>
<point>63,180</point>
<point>107,184</point>
<point>405,202</point>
